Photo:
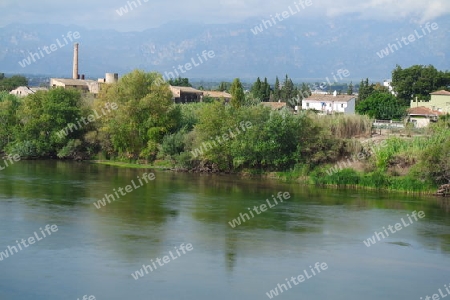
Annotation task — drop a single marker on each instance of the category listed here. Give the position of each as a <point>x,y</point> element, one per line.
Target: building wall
<point>330,106</point>
<point>93,86</point>
<point>56,83</point>
<point>350,109</point>
<point>189,97</point>
<point>419,122</point>
<point>311,105</point>
<point>438,102</point>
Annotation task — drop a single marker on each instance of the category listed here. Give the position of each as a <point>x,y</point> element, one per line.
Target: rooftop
<point>186,89</point>
<point>423,111</point>
<point>441,92</point>
<point>321,98</point>
<point>73,82</point>
<point>216,94</point>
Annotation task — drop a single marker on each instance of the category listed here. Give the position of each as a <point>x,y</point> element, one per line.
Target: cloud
<point>388,10</point>
<point>153,13</point>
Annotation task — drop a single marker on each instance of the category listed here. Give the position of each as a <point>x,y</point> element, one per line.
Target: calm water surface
<point>95,251</point>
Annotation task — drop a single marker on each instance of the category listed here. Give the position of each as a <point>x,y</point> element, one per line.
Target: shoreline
<point>303,180</point>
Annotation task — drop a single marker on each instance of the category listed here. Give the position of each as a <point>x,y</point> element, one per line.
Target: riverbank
<point>345,179</point>
<point>129,165</point>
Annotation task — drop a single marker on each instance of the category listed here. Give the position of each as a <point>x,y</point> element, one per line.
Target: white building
<point>329,104</point>
<point>23,91</point>
<point>388,83</point>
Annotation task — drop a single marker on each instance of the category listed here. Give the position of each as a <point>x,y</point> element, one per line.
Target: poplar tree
<point>276,90</point>
<point>350,89</point>
<point>237,93</point>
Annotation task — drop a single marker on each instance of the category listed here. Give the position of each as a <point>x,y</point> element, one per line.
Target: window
<point>342,105</point>
<point>307,104</point>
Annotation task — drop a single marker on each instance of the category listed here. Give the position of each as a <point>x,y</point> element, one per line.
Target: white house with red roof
<point>329,104</point>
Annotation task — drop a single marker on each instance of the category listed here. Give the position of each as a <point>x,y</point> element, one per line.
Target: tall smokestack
<point>75,61</point>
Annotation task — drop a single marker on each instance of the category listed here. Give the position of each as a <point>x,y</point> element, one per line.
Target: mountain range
<point>305,50</point>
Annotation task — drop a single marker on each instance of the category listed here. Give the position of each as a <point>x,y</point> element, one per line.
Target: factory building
<point>79,82</point>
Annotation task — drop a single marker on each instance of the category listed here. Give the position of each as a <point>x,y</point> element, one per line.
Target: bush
<point>69,150</point>
<point>25,149</point>
<point>173,144</point>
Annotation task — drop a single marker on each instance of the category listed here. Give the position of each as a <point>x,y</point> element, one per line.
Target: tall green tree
<point>365,90</point>
<point>288,92</point>
<point>266,89</point>
<point>223,86</point>
<point>145,114</point>
<point>237,93</point>
<point>418,81</point>
<point>276,90</point>
<point>350,89</point>
<point>257,89</point>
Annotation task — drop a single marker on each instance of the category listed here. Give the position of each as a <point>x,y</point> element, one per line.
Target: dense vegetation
<point>414,164</point>
<point>10,83</point>
<point>135,120</point>
<point>381,105</point>
<point>418,81</point>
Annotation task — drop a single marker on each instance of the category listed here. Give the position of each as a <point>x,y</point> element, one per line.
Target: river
<point>171,238</point>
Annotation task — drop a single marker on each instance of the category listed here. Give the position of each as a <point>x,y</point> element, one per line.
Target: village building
<point>184,94</point>
<point>439,102</point>
<point>217,95</point>
<point>23,91</point>
<point>422,116</point>
<point>330,104</point>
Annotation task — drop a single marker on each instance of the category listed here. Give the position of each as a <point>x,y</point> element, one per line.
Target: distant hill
<point>302,49</point>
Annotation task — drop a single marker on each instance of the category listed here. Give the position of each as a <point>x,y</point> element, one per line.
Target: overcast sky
<point>96,14</point>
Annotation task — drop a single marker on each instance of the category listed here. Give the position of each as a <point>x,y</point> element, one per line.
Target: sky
<point>103,14</point>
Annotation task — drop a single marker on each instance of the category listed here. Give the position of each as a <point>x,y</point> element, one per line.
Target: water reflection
<point>178,207</point>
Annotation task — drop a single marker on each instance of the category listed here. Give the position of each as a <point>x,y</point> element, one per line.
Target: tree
<point>180,82</point>
<point>350,89</point>
<point>288,92</point>
<point>418,81</point>
<point>9,105</point>
<point>365,90</point>
<point>276,90</point>
<point>384,106</point>
<point>145,114</point>
<point>261,90</point>
<point>42,116</point>
<point>223,86</point>
<point>237,93</point>
<point>266,88</point>
<point>304,92</point>
<point>257,89</point>
<point>9,84</point>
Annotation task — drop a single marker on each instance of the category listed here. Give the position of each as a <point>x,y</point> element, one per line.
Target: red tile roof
<point>330,98</point>
<point>423,111</point>
<point>441,92</point>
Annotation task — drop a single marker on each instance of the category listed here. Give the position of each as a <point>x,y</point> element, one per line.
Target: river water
<point>179,225</point>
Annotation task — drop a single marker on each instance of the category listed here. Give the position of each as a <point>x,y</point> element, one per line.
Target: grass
<point>346,126</point>
<point>131,165</point>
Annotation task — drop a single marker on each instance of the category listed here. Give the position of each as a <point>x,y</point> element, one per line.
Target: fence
<point>387,124</point>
